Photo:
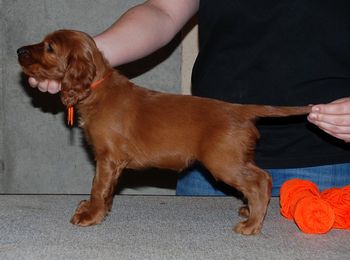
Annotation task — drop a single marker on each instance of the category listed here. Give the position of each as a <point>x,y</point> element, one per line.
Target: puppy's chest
<point>84,122</point>
<point>101,125</point>
<point>87,115</point>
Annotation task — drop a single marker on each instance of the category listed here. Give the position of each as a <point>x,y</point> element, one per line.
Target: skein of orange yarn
<point>301,201</point>
<point>339,199</point>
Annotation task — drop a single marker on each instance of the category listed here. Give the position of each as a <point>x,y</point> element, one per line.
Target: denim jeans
<point>197,181</point>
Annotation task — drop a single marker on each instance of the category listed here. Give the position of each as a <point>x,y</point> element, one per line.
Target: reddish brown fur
<point>132,127</point>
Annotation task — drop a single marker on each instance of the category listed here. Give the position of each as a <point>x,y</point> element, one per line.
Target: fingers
<point>53,87</point>
<point>341,100</point>
<point>43,85</point>
<point>33,82</point>
<point>340,106</point>
<point>339,127</point>
<point>333,118</point>
<point>50,86</point>
<point>335,123</point>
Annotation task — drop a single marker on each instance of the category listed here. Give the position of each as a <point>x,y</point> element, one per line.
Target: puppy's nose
<point>22,50</point>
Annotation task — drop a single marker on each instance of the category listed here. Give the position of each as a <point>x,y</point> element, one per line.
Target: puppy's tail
<point>277,111</point>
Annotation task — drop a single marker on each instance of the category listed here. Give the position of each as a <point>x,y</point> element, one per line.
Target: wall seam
<point>2,97</point>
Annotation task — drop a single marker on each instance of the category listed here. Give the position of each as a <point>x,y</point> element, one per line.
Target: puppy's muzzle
<point>24,56</point>
<point>22,51</point>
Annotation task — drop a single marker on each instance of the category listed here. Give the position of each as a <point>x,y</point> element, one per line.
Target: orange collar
<point>94,85</point>
<point>98,82</point>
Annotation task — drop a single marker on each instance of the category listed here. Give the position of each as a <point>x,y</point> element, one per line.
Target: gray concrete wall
<point>38,153</point>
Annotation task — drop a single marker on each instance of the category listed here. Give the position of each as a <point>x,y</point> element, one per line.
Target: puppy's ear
<point>79,75</point>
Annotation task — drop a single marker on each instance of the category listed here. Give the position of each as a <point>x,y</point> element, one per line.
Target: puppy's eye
<point>49,48</point>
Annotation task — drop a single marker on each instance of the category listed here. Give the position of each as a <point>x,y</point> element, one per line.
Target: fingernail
<point>312,116</point>
<point>315,109</point>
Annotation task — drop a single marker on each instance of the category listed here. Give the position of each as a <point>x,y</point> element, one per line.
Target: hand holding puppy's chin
<point>51,86</point>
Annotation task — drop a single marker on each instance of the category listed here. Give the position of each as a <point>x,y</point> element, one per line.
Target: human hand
<point>333,118</point>
<point>50,86</point>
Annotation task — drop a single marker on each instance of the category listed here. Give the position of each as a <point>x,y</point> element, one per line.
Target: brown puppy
<point>132,127</point>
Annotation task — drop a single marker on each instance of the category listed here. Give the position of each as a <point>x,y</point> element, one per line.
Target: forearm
<point>144,29</point>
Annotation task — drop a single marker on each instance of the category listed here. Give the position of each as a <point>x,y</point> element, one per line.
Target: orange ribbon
<point>70,116</point>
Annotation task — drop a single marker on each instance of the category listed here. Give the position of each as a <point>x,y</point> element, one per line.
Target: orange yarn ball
<point>300,201</point>
<point>339,198</point>
<point>314,215</point>
<point>291,192</point>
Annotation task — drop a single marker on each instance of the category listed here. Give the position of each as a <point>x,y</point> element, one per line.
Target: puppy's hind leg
<point>256,187</point>
<point>228,156</point>
<point>92,211</point>
<point>255,184</point>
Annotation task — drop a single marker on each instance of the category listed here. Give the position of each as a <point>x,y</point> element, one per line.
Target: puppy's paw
<point>88,214</point>
<point>247,228</point>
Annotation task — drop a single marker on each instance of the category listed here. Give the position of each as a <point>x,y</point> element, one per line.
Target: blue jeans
<point>197,181</point>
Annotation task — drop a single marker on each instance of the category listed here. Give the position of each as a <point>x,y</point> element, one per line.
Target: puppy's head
<point>66,56</point>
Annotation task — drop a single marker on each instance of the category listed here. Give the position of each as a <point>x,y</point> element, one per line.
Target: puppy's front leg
<point>93,211</point>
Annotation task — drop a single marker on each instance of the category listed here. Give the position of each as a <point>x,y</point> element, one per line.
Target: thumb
<point>33,82</point>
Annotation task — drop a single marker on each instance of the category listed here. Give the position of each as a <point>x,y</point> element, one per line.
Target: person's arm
<point>333,118</point>
<point>144,29</point>
<point>139,32</point>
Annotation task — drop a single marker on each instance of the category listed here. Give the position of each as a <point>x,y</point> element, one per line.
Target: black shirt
<point>278,52</point>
